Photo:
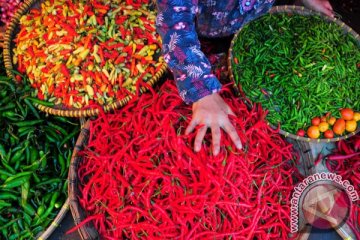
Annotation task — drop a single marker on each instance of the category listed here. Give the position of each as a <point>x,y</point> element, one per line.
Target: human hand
<point>322,6</point>
<point>212,111</point>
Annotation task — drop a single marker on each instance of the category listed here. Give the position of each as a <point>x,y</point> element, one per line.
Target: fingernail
<point>238,145</point>
<point>197,148</point>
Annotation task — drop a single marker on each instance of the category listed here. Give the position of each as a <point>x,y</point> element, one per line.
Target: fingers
<point>191,126</point>
<point>216,136</point>
<point>322,6</point>
<point>199,135</point>
<point>211,111</point>
<point>328,6</point>
<point>199,138</point>
<point>230,129</point>
<point>327,10</point>
<point>230,111</point>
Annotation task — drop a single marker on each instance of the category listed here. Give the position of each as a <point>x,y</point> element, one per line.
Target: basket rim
<point>297,10</point>
<point>56,222</point>
<point>85,111</point>
<point>86,231</point>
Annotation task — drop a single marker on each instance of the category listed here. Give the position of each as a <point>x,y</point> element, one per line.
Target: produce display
<point>345,161</point>
<point>298,67</point>
<point>81,53</point>
<point>328,126</point>
<point>140,178</point>
<point>35,153</point>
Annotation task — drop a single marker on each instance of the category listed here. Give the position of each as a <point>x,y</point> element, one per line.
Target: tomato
<point>347,113</point>
<point>313,132</point>
<point>300,132</point>
<point>332,120</point>
<point>350,125</point>
<point>326,117</point>
<point>329,133</point>
<point>356,116</point>
<point>323,126</point>
<point>315,121</point>
<point>339,126</point>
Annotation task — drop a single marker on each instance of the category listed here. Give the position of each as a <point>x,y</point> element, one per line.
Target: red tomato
<point>315,121</point>
<point>300,132</point>
<point>329,133</point>
<point>339,126</point>
<point>347,114</point>
<point>313,132</point>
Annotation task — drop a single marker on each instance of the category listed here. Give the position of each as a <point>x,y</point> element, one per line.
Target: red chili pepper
<point>98,6</point>
<point>65,70</point>
<point>150,182</point>
<point>343,157</point>
<point>318,159</point>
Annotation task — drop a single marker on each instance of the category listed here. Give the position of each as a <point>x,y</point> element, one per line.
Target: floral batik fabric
<point>180,22</point>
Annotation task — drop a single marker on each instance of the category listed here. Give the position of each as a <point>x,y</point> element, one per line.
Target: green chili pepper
<point>29,123</point>
<point>15,182</point>
<point>40,102</point>
<point>8,196</point>
<point>32,109</point>
<point>25,187</point>
<point>299,59</point>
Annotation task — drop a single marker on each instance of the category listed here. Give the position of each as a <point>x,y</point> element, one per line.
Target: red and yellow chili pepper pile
<point>87,52</point>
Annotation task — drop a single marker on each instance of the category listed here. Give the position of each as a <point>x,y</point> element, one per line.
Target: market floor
<point>349,10</point>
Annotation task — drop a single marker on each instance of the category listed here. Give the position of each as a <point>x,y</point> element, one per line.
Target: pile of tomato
<point>328,126</point>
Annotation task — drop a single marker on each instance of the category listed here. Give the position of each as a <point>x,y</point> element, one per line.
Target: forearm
<point>181,49</point>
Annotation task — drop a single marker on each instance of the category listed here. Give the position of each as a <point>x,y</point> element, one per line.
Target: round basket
<point>293,9</point>
<point>2,32</point>
<point>8,45</point>
<point>87,231</point>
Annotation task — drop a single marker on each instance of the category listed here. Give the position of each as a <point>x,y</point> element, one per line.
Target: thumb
<point>328,6</point>
<point>328,12</point>
<point>230,111</point>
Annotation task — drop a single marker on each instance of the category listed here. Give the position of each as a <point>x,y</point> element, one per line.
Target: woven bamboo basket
<point>87,231</point>
<point>2,33</point>
<point>55,223</point>
<point>8,45</point>
<point>61,214</point>
<point>293,9</point>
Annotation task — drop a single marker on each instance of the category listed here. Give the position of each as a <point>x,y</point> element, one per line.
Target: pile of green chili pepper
<point>35,152</point>
<point>297,67</point>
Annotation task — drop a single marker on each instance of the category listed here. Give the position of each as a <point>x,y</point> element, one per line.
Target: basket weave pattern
<point>8,46</point>
<point>88,231</point>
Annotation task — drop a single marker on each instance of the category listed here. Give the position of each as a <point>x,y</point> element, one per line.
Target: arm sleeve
<point>181,49</point>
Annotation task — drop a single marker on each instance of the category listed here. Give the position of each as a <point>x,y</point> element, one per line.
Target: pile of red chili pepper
<point>140,177</point>
<point>345,161</point>
<point>77,53</point>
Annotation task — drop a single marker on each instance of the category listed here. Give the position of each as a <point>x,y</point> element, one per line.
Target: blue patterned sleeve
<point>181,49</point>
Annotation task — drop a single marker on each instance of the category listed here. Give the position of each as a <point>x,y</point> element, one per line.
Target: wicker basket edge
<point>305,11</point>
<point>88,230</point>
<point>8,36</point>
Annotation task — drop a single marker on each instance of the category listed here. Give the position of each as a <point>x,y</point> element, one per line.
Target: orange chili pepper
<point>132,69</point>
